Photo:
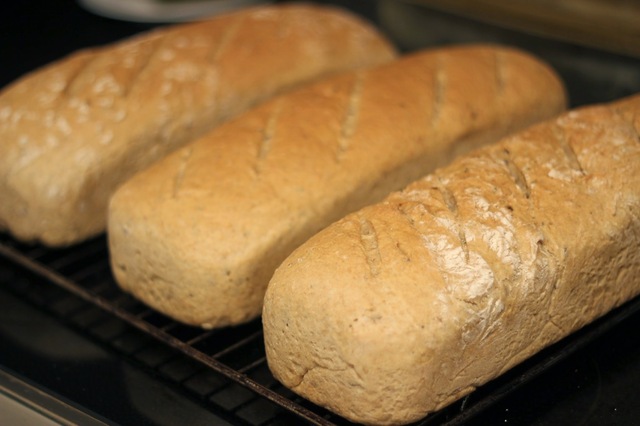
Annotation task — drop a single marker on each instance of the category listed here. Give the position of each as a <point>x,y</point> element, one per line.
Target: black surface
<point>78,371</point>
<point>595,386</point>
<point>90,360</point>
<point>36,32</point>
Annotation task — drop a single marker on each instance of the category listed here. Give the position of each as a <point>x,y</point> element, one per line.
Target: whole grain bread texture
<point>198,235</point>
<point>404,306</point>
<point>76,129</point>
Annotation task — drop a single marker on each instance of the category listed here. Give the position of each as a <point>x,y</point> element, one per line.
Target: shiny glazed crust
<point>198,235</point>
<point>73,131</point>
<point>402,307</point>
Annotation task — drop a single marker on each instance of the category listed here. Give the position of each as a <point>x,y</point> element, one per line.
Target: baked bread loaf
<point>404,306</point>
<point>198,235</point>
<point>74,130</point>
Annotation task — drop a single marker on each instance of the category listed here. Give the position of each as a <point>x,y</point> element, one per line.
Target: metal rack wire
<point>224,369</point>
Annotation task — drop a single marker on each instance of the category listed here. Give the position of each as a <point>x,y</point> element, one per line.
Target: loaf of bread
<point>74,130</point>
<point>198,235</point>
<point>404,306</point>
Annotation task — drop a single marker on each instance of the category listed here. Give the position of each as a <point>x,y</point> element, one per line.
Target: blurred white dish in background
<point>162,10</point>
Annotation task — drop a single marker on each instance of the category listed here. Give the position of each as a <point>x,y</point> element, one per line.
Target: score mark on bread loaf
<point>350,121</point>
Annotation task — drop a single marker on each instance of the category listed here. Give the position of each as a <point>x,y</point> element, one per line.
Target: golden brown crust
<point>74,130</point>
<point>404,306</point>
<point>198,235</point>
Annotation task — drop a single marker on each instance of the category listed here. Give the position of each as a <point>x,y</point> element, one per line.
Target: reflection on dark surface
<point>79,370</point>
